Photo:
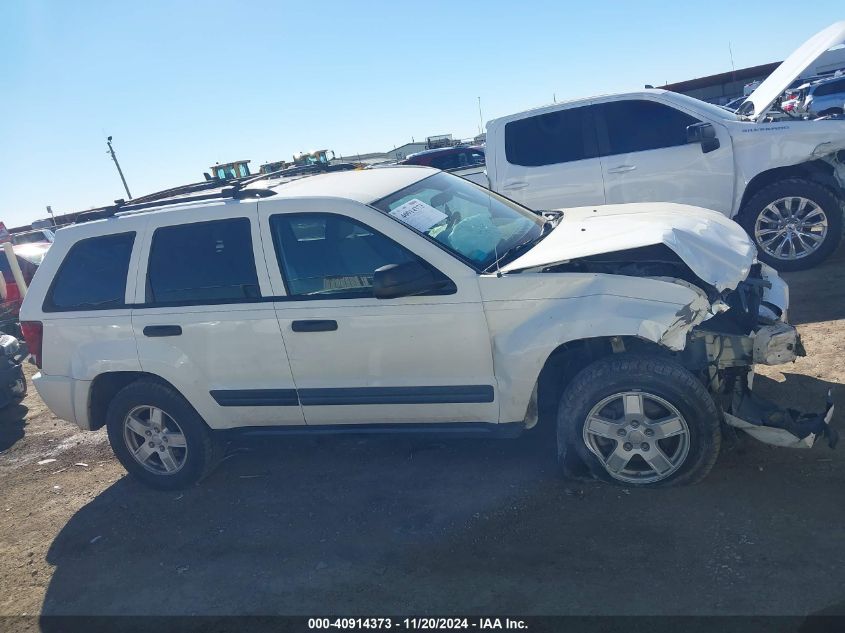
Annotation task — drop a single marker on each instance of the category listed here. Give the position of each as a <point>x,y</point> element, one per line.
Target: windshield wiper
<point>515,251</point>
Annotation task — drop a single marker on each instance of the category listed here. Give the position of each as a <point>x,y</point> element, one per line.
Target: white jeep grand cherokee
<point>407,297</point>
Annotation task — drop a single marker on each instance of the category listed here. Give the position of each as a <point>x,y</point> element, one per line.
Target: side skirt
<point>457,429</point>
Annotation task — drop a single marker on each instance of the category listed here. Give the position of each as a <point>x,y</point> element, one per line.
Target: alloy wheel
<point>791,228</point>
<point>638,437</point>
<point>155,440</point>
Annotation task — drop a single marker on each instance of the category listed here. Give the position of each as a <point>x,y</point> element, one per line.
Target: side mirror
<point>705,134</point>
<point>404,280</point>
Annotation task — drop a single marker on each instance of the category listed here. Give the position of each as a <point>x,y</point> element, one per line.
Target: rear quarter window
<point>92,275</point>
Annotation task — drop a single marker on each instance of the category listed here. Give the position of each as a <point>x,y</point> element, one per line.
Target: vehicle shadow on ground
<point>818,294</point>
<point>397,525</point>
<point>12,423</point>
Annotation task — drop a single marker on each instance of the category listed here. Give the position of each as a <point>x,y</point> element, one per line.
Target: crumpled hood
<point>716,249</point>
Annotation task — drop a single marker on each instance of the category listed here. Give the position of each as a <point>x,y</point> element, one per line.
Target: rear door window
<point>202,262</point>
<point>92,275</point>
<point>549,139</point>
<point>638,125</point>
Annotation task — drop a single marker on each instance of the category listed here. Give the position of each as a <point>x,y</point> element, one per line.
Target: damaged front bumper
<point>769,423</point>
<point>753,331</point>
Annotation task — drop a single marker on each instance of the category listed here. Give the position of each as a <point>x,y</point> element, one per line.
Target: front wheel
<point>639,420</point>
<point>796,224</point>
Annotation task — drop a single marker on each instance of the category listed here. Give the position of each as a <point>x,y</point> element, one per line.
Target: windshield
<point>709,108</point>
<point>473,223</point>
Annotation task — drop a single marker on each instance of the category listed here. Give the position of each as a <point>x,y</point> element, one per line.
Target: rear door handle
<point>155,331</point>
<point>314,325</point>
<point>621,169</point>
<point>515,185</point>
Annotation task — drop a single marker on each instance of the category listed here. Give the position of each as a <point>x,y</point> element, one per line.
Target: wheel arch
<point>817,171</point>
<point>568,359</point>
<point>106,385</point>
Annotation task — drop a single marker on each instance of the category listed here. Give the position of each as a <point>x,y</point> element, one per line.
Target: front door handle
<point>314,325</point>
<point>156,331</point>
<point>621,169</point>
<point>515,185</point>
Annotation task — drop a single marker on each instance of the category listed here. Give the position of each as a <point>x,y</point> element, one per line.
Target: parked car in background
<point>734,104</point>
<point>461,160</point>
<point>824,97</point>
<point>783,181</point>
<point>447,158</point>
<point>29,257</point>
<point>12,380</point>
<point>406,298</point>
<point>44,236</point>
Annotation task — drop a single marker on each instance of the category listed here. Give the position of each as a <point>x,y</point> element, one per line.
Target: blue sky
<point>182,85</point>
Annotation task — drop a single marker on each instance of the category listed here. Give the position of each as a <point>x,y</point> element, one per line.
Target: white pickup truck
<point>783,181</point>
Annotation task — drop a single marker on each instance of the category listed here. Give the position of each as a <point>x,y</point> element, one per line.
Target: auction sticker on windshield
<point>418,215</point>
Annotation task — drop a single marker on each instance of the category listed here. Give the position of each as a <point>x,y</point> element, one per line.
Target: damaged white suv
<point>410,298</point>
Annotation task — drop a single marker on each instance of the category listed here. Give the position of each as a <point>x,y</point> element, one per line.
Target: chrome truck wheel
<point>795,223</point>
<point>791,228</point>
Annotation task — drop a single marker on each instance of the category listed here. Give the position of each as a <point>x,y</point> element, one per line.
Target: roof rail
<point>235,192</point>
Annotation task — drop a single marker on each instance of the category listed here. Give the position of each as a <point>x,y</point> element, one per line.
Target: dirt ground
<point>387,526</point>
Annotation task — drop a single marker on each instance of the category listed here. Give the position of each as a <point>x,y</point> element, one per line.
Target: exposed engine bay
<point>747,327</point>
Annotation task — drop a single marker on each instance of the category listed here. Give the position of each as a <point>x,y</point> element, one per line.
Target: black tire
<point>820,195</point>
<point>20,397</point>
<point>650,376</point>
<point>200,454</point>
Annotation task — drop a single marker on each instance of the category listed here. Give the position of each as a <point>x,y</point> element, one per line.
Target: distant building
<point>403,151</point>
<point>723,87</point>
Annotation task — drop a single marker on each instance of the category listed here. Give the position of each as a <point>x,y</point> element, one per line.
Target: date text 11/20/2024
<point>423,624</point>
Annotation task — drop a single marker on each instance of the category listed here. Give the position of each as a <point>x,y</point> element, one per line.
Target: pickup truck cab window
<point>639,125</point>
<point>323,255</point>
<point>202,262</point>
<point>557,137</point>
<point>472,223</point>
<point>92,275</point>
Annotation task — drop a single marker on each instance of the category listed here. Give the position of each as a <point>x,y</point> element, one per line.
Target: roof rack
<point>234,191</point>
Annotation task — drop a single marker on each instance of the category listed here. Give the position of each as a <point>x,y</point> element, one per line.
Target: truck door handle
<point>314,325</point>
<point>621,169</point>
<point>155,331</point>
<point>515,185</point>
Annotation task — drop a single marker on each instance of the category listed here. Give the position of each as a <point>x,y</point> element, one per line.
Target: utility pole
<point>119,170</point>
<point>480,118</point>
<point>733,67</point>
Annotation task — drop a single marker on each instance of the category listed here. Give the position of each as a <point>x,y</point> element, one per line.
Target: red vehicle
<point>447,158</point>
<point>29,257</point>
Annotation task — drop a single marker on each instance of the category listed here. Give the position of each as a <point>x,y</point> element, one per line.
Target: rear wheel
<point>794,223</point>
<point>639,420</point>
<point>158,437</point>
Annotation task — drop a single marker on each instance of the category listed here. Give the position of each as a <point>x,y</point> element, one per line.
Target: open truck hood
<point>776,83</point>
<point>716,249</point>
